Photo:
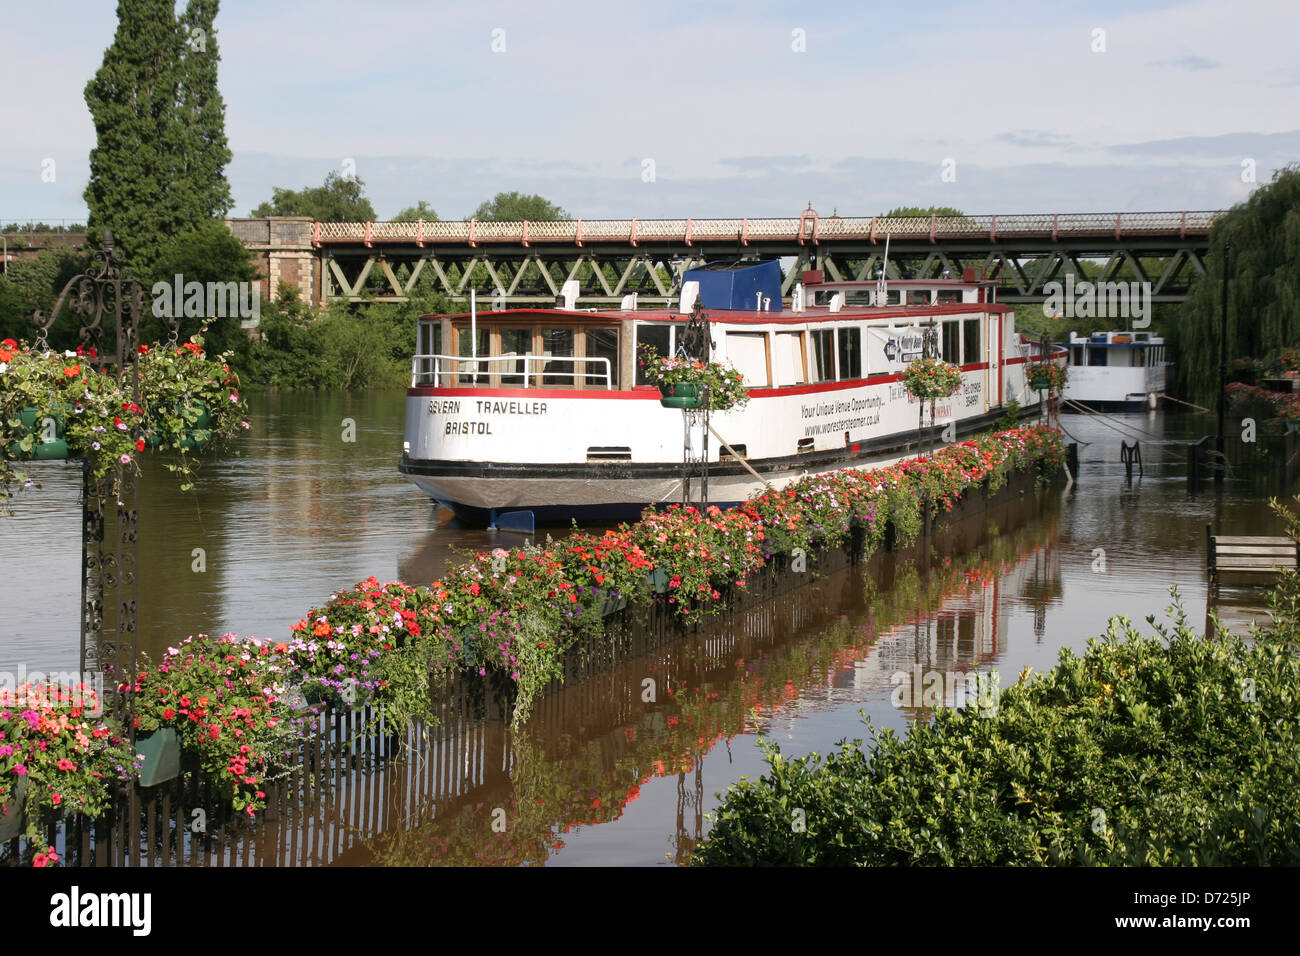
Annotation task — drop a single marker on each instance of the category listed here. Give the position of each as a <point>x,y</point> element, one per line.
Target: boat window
<point>951,336</point>
<point>918,297</point>
<point>467,369</point>
<point>1076,355</point>
<point>950,295</point>
<point>821,357</point>
<point>1096,356</point>
<point>430,339</point>
<point>893,297</point>
<point>850,353</point>
<point>514,342</point>
<point>858,297</point>
<point>972,350</point>
<point>747,351</point>
<point>557,343</point>
<point>787,359</point>
<point>657,336</point>
<point>602,343</point>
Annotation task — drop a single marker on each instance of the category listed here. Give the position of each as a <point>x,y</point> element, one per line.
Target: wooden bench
<point>1250,554</point>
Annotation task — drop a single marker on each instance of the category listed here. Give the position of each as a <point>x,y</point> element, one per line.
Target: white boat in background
<point>545,410</point>
<point>1116,369</point>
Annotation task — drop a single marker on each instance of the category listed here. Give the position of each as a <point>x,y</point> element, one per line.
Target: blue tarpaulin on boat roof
<point>737,285</point>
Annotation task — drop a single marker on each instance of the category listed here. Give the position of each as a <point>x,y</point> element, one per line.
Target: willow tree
<point>1263,288</point>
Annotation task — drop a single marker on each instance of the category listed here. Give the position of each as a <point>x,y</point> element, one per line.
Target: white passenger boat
<point>1116,369</point>
<point>545,409</point>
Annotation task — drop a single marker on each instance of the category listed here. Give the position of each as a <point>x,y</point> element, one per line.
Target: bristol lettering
<point>468,428</point>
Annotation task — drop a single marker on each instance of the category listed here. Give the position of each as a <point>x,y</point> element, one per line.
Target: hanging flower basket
<point>680,395</point>
<point>13,816</point>
<point>689,383</point>
<point>195,435</point>
<point>929,379</point>
<point>36,440</point>
<point>1044,376</point>
<point>162,756</point>
<point>658,578</point>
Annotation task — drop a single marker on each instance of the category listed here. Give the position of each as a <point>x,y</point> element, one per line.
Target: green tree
<point>34,282</point>
<point>514,207</point>
<point>1263,288</point>
<point>135,163</point>
<point>415,213</point>
<point>202,118</point>
<point>338,199</point>
<point>902,211</point>
<point>206,253</point>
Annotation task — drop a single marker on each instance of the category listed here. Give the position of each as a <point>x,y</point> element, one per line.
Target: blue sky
<point>739,109</point>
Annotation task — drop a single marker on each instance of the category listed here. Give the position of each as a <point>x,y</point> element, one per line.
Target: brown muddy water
<point>599,775</point>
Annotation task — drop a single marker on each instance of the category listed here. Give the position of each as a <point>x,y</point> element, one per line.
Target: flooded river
<point>599,776</point>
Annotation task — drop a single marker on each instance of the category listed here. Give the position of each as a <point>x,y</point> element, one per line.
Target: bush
<point>1171,749</point>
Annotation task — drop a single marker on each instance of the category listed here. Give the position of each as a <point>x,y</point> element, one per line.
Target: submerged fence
<point>353,779</point>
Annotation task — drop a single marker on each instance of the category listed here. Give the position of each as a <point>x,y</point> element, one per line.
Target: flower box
<point>613,603</point>
<point>658,578</point>
<point>162,756</point>
<point>13,819</point>
<point>680,395</point>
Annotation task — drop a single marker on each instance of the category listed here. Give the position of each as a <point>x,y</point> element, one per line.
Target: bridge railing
<point>805,229</point>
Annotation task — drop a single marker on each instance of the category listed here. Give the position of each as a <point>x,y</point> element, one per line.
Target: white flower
<point>69,354</point>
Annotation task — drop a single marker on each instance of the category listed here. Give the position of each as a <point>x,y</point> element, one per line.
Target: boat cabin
<point>832,331</point>
<point>1117,350</point>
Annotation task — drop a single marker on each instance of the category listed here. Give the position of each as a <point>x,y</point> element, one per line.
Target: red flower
<point>139,444</point>
<point>72,371</point>
<point>142,349</point>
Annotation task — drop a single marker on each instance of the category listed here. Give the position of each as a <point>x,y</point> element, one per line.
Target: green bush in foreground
<point>1164,750</point>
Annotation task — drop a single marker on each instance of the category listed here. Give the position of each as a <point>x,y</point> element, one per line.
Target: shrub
<point>1146,750</point>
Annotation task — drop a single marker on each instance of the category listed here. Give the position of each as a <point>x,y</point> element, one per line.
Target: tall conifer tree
<point>202,117</point>
<point>134,164</point>
<point>158,166</point>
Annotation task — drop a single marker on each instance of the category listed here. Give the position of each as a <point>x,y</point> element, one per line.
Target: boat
<point>1116,370</point>
<point>546,410</point>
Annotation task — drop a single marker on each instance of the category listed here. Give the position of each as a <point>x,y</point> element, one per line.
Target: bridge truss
<point>514,264</point>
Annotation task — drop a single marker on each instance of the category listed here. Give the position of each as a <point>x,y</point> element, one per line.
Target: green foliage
<point>158,162</point>
<point>904,211</point>
<point>514,207</point>
<point>369,346</point>
<point>415,213</point>
<point>1146,750</point>
<point>34,283</point>
<point>1263,288</point>
<point>207,253</point>
<point>338,199</point>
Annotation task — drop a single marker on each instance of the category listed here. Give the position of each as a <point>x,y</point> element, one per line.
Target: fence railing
<point>498,371</point>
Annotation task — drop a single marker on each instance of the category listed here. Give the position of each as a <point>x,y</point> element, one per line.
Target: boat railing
<point>497,371</point>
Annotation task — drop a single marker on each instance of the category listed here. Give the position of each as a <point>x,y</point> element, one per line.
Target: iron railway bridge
<point>514,264</point>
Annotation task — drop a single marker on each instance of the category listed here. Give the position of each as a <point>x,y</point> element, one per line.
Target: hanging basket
<point>162,756</point>
<point>33,423</point>
<point>196,434</point>
<point>658,578</point>
<point>13,817</point>
<point>680,395</point>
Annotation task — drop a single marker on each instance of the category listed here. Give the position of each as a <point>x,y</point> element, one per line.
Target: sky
<point>674,109</point>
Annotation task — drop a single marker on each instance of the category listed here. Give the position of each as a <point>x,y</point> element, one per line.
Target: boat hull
<point>622,490</point>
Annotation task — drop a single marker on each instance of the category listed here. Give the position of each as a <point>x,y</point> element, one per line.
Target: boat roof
<point>812,314</point>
